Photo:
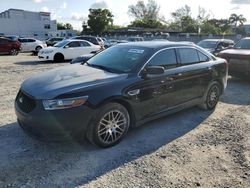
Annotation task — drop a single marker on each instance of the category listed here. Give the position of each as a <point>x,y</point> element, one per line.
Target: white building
<point>28,24</point>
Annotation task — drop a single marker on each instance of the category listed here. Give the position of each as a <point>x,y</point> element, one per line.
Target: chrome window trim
<point>169,48</point>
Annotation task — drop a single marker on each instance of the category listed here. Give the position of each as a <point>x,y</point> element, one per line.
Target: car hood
<point>235,53</point>
<point>48,49</point>
<point>209,49</point>
<point>55,82</point>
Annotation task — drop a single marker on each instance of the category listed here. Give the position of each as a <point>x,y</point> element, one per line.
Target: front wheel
<point>110,125</point>
<point>212,97</point>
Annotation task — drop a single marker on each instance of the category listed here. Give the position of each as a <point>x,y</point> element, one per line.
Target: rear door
<point>194,74</point>
<point>86,48</point>
<point>73,50</point>
<point>5,46</point>
<point>31,45</point>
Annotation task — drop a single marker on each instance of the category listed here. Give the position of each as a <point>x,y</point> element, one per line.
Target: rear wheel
<point>58,57</point>
<point>13,51</point>
<point>110,125</point>
<point>38,48</point>
<point>212,97</point>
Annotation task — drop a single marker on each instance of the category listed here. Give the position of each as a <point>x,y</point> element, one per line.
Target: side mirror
<point>152,71</point>
<point>67,46</point>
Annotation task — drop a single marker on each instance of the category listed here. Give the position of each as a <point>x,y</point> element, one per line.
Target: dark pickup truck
<point>121,87</point>
<point>238,58</point>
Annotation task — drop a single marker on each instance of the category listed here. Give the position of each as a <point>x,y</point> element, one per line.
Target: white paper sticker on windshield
<point>136,51</point>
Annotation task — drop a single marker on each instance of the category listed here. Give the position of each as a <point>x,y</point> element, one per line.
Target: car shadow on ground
<point>237,92</point>
<point>25,160</point>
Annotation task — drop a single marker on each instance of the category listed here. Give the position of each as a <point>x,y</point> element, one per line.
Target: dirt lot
<point>193,148</point>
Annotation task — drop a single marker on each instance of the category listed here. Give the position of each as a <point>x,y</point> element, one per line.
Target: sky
<point>76,11</point>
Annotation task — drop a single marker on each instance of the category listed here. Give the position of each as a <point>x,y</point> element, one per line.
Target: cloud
<point>78,16</point>
<point>45,9</point>
<point>240,2</point>
<point>63,6</point>
<point>39,1</point>
<point>99,4</point>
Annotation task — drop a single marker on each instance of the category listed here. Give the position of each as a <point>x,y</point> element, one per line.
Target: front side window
<point>74,44</point>
<point>208,44</point>
<point>165,58</point>
<point>188,56</point>
<point>61,44</point>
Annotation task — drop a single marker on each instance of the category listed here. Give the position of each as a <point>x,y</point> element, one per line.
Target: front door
<point>158,93</point>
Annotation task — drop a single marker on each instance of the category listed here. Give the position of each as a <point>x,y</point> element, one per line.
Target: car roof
<point>86,36</point>
<point>247,38</point>
<point>218,40</point>
<point>5,38</point>
<point>156,44</point>
<point>72,40</point>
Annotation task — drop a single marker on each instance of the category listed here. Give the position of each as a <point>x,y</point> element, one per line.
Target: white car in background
<point>67,50</point>
<point>31,45</point>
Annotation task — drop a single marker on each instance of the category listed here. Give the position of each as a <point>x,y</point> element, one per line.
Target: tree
<point>99,20</point>
<point>146,15</point>
<point>61,26</point>
<point>235,19</point>
<point>68,26</point>
<point>183,20</point>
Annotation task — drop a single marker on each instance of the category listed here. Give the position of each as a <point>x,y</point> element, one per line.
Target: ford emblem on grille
<point>21,99</point>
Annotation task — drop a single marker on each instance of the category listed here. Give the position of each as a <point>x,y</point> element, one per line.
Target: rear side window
<point>188,56</point>
<point>165,58</point>
<point>202,57</point>
<point>3,41</point>
<point>83,43</point>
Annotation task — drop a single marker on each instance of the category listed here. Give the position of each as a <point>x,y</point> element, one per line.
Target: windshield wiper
<point>102,67</point>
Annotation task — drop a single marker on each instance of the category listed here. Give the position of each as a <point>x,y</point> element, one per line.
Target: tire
<point>38,48</point>
<point>13,51</point>
<point>212,97</point>
<point>58,57</point>
<point>109,126</point>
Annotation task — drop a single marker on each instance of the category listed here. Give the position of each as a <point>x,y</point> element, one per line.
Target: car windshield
<point>61,44</point>
<point>243,44</point>
<point>207,44</point>
<point>120,59</point>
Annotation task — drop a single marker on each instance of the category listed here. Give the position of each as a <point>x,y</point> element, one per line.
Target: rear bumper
<point>55,125</point>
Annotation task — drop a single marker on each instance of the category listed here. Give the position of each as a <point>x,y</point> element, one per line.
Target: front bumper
<point>46,56</point>
<point>55,125</point>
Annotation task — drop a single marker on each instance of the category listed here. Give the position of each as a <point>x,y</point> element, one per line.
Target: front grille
<point>25,103</point>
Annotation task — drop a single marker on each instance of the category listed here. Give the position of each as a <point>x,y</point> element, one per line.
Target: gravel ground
<point>192,148</point>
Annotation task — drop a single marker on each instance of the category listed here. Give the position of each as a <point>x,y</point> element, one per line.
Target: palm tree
<point>235,19</point>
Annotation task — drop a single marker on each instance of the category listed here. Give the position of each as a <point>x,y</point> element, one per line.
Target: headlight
<point>57,104</point>
<point>48,51</point>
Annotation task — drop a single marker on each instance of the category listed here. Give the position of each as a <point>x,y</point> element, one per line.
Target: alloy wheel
<point>213,96</point>
<point>112,126</point>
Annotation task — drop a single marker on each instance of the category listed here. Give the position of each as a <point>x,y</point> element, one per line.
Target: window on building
<point>46,26</point>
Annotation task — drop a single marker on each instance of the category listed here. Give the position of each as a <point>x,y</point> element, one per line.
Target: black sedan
<point>121,87</point>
